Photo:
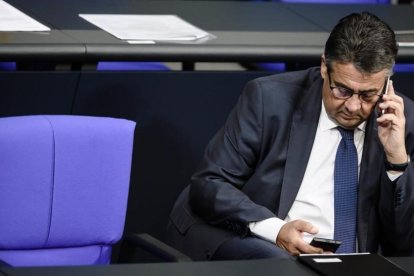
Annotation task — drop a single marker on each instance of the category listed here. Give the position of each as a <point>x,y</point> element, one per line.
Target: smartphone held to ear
<point>326,244</point>
<point>385,91</point>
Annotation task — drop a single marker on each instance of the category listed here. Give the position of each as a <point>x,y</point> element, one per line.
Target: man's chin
<point>349,123</point>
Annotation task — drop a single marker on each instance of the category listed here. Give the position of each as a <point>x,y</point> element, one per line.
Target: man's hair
<point>363,40</point>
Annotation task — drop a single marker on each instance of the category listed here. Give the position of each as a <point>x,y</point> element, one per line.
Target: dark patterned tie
<point>346,192</point>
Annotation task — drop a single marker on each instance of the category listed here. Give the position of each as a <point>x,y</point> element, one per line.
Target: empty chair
<point>404,67</point>
<point>64,184</point>
<point>8,66</point>
<point>131,66</point>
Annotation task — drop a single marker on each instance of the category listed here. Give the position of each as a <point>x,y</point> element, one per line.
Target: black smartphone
<point>326,244</point>
<point>384,91</point>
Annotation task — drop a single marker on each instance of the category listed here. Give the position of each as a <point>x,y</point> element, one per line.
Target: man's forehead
<point>351,69</point>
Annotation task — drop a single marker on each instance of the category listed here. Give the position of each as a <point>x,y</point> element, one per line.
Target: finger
<point>288,246</point>
<point>299,246</point>
<point>394,116</point>
<point>305,247</point>
<point>393,107</point>
<point>391,119</point>
<point>295,253</point>
<point>305,226</point>
<point>392,98</point>
<point>392,104</point>
<point>386,119</point>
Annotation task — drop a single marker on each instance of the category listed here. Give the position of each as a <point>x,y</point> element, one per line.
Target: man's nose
<point>354,103</point>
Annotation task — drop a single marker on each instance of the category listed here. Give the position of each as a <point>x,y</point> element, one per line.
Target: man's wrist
<point>267,229</point>
<point>399,167</point>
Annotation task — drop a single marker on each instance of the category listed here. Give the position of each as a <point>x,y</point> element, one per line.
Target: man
<point>270,179</point>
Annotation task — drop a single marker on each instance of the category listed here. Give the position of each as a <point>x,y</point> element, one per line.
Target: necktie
<point>346,192</point>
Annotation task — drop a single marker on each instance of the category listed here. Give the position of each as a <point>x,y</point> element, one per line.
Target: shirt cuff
<point>267,229</point>
<point>394,176</point>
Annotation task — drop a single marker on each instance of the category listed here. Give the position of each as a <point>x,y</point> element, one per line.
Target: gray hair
<point>363,40</point>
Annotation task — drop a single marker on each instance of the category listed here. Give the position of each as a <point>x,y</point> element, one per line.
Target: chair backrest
<point>64,183</point>
<point>131,66</point>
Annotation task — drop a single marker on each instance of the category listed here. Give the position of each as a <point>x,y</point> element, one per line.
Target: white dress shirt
<point>315,200</point>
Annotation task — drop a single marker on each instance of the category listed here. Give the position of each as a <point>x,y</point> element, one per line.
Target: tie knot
<point>347,134</point>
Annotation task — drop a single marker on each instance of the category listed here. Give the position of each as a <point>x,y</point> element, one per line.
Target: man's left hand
<point>391,127</point>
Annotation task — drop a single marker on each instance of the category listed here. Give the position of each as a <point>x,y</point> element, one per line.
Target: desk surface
<point>245,31</point>
<point>227,268</point>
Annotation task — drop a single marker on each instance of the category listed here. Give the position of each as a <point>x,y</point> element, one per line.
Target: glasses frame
<point>352,92</point>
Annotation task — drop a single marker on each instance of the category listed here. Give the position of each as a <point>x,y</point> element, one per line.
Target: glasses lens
<point>342,93</point>
<point>368,97</point>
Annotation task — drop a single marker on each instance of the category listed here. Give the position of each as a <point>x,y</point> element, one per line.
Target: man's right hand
<point>290,237</point>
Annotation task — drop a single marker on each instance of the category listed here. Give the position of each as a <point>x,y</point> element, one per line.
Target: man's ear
<point>323,67</point>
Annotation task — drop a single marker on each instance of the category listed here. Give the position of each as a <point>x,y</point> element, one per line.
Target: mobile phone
<point>385,91</point>
<point>326,244</point>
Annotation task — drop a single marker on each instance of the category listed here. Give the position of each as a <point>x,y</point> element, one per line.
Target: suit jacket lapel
<point>302,135</point>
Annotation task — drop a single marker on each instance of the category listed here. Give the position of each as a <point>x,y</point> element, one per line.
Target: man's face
<point>349,113</point>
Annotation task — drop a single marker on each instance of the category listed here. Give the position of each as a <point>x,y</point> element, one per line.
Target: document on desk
<point>13,20</point>
<point>351,264</point>
<point>146,28</point>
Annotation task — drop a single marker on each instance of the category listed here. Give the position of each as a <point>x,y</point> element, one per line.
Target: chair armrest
<point>152,245</point>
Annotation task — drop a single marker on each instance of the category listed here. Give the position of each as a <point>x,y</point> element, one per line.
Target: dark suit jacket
<point>253,168</point>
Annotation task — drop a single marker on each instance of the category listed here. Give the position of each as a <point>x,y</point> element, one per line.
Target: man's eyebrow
<point>339,84</point>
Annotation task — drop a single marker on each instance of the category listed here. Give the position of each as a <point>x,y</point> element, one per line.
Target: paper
<point>146,27</point>
<point>12,20</point>
<point>327,260</point>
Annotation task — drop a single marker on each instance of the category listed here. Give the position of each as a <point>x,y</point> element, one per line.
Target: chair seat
<point>86,255</point>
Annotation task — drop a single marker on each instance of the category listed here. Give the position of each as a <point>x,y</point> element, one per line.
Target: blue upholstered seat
<point>64,184</point>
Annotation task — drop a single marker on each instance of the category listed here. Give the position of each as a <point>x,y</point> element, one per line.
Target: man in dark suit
<point>267,183</point>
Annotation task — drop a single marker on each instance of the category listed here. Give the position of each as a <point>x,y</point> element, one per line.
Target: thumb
<point>307,227</point>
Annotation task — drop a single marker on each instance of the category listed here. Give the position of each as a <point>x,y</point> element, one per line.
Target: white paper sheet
<point>11,19</point>
<point>146,27</point>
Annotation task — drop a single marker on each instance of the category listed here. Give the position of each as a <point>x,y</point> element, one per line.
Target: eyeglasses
<point>345,93</point>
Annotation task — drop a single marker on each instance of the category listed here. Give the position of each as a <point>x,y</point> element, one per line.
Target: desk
<point>53,45</point>
<point>228,268</point>
<point>245,31</point>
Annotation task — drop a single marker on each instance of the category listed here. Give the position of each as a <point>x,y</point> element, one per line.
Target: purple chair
<point>64,182</point>
<point>131,66</point>
<point>8,66</point>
